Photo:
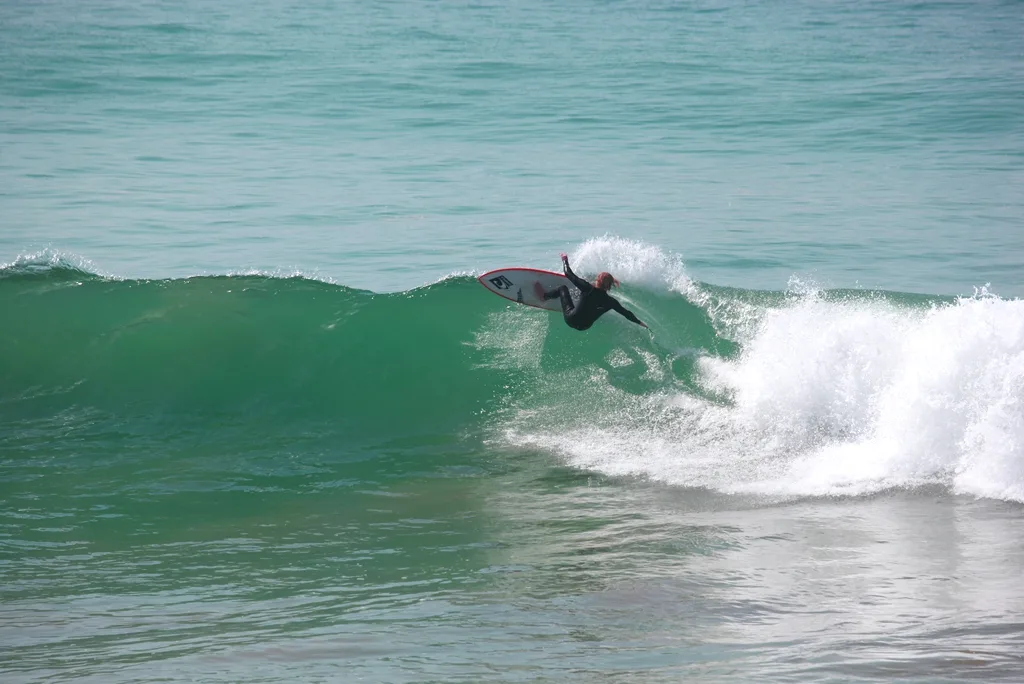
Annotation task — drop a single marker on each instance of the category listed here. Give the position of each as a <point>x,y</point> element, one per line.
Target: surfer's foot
<point>539,291</point>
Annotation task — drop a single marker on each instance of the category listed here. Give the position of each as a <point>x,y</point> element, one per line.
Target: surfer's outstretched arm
<point>629,315</point>
<point>582,284</point>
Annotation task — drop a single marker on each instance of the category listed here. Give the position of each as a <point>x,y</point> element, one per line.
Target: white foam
<point>633,263</point>
<point>274,274</point>
<point>50,258</point>
<point>514,339</point>
<point>452,275</point>
<point>826,398</point>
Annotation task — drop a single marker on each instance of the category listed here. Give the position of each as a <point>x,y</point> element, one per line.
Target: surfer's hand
<point>565,258</point>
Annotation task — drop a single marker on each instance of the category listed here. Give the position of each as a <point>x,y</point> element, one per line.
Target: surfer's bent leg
<point>562,293</point>
<point>568,306</point>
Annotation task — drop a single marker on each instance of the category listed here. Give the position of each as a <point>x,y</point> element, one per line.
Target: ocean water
<point>259,422</point>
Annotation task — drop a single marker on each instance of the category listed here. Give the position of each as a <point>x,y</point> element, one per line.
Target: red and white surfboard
<point>520,285</point>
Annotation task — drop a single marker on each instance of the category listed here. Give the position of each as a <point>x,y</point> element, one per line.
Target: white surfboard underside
<point>519,285</point>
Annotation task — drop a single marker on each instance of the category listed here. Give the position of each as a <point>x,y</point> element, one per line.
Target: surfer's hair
<point>605,280</point>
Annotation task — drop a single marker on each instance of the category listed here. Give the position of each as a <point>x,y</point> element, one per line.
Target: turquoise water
<point>384,145</point>
<point>258,422</point>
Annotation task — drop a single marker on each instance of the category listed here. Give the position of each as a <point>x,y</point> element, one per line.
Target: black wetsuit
<point>594,303</point>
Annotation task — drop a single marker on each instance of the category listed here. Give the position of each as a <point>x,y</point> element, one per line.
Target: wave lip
<point>52,264</point>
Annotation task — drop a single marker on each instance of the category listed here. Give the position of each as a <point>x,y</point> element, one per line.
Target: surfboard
<point>519,285</point>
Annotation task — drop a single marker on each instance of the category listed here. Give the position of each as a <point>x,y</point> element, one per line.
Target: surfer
<point>594,299</point>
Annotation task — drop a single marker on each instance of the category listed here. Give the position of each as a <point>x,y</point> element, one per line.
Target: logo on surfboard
<point>501,282</point>
<point>525,286</point>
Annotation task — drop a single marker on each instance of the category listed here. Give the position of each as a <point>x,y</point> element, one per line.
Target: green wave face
<point>262,355</point>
